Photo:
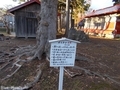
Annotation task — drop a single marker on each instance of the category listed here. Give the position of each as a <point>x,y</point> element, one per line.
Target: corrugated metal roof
<point>23,5</point>
<point>108,10</point>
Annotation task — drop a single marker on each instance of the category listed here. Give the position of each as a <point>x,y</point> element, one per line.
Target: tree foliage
<point>20,1</point>
<point>78,5</point>
<point>116,2</point>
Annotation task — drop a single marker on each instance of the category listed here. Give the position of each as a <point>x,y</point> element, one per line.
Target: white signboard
<point>62,53</point>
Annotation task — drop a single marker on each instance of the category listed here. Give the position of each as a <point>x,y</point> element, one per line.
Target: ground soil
<point>99,56</point>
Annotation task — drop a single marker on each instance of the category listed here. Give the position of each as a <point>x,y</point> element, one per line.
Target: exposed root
<point>37,77</point>
<point>111,79</point>
<point>101,64</point>
<point>2,61</point>
<point>29,85</point>
<point>29,53</point>
<point>6,63</point>
<point>22,50</point>
<point>18,56</point>
<point>8,76</point>
<point>4,66</point>
<point>91,73</point>
<point>72,74</point>
<point>14,64</point>
<point>82,58</point>
<point>88,72</point>
<point>29,59</point>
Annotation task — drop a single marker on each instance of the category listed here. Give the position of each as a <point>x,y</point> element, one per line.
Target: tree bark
<point>67,17</point>
<point>47,27</point>
<point>7,27</point>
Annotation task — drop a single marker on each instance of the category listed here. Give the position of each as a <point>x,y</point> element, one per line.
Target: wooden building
<point>104,22</point>
<point>25,18</point>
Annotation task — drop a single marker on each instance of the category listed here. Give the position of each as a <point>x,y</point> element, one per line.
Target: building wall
<point>1,24</point>
<point>26,21</point>
<point>104,25</point>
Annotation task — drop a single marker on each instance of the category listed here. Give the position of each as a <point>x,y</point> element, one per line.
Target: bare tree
<point>6,24</point>
<point>3,15</point>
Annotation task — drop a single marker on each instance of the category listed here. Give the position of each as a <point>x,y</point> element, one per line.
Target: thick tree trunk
<point>47,27</point>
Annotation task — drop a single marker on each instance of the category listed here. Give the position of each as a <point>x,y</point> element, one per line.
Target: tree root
<point>31,84</point>
<point>82,58</point>
<point>71,74</point>
<point>37,77</point>
<point>111,79</point>
<point>8,76</point>
<point>16,61</point>
<point>29,51</point>
<point>88,72</point>
<point>91,73</point>
<point>2,61</point>
<point>4,66</point>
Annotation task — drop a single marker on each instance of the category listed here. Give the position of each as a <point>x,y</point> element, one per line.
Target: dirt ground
<point>96,67</point>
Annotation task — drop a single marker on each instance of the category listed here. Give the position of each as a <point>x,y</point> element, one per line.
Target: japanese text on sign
<point>62,53</point>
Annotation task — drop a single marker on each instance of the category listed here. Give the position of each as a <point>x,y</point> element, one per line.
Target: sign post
<point>62,54</point>
<point>61,77</point>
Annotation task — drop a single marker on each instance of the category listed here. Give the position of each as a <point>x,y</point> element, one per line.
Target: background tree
<point>20,1</point>
<point>3,13</point>
<point>76,6</point>
<point>80,6</point>
<point>116,2</point>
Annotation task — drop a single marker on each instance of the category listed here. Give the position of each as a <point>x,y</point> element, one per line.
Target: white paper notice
<point>62,53</point>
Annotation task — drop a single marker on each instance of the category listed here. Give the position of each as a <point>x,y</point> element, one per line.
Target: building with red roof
<point>104,22</point>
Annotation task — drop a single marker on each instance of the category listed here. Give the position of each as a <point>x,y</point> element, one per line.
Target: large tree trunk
<point>47,26</point>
